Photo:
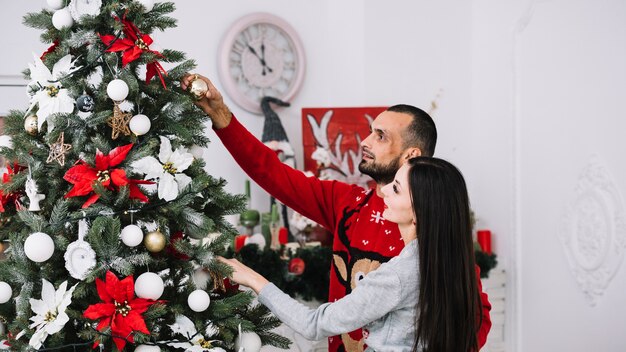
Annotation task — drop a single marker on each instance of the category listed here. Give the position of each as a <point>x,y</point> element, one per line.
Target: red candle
<point>240,241</point>
<point>484,239</point>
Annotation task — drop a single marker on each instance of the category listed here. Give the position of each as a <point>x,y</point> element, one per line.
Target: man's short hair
<point>421,132</point>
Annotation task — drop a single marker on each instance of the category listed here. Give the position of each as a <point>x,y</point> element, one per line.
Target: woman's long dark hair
<point>449,308</point>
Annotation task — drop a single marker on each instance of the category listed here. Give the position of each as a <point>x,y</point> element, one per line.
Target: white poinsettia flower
<point>168,169</point>
<point>50,313</point>
<point>197,343</point>
<point>4,345</point>
<point>46,90</point>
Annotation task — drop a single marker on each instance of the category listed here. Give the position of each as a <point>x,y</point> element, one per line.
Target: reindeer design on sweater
<point>352,265</point>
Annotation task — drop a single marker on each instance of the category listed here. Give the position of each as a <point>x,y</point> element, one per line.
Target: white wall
<point>547,85</point>
<point>527,92</point>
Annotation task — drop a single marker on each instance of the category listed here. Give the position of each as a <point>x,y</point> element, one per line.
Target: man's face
<point>383,148</point>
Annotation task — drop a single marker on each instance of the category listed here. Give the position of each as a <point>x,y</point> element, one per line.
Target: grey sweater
<point>383,304</point>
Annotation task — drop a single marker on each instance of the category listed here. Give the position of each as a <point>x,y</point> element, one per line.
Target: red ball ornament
<point>296,266</point>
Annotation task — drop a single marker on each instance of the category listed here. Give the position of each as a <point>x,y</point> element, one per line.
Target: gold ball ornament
<point>30,125</point>
<point>154,241</point>
<point>198,88</point>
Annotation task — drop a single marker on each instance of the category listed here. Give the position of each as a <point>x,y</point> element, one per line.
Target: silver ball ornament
<point>30,125</point>
<point>149,286</point>
<point>62,19</point>
<point>199,301</point>
<point>139,124</point>
<point>198,88</point>
<point>85,103</point>
<point>131,235</point>
<point>39,247</point>
<point>117,90</point>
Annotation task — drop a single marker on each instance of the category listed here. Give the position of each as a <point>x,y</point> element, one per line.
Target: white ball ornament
<point>197,151</point>
<point>147,348</point>
<point>248,342</point>
<point>149,286</point>
<point>5,292</point>
<point>62,19</point>
<point>39,247</point>
<point>139,124</point>
<point>55,4</point>
<point>199,301</point>
<point>148,4</point>
<point>117,90</point>
<point>132,235</point>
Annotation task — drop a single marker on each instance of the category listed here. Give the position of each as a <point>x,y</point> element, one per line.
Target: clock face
<point>261,56</point>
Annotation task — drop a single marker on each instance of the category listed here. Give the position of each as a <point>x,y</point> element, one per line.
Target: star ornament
<point>119,122</point>
<point>58,150</point>
<point>120,309</point>
<point>83,176</point>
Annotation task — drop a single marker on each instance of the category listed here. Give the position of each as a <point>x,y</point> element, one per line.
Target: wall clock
<point>261,55</point>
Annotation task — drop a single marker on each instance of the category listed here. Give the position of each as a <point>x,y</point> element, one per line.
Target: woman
<point>426,298</point>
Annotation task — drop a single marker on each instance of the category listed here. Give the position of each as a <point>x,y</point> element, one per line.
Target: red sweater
<point>362,239</point>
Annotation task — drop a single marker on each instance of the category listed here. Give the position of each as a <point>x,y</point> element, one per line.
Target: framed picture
<point>332,138</point>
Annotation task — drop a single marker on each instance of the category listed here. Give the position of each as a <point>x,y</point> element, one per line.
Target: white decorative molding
<point>514,319</point>
<point>12,81</point>
<point>593,231</point>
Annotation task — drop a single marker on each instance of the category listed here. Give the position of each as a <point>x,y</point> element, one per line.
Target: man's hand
<point>243,275</point>
<point>212,103</point>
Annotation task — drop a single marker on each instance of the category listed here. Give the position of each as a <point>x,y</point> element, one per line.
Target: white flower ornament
<point>50,313</point>
<point>168,169</point>
<point>51,97</point>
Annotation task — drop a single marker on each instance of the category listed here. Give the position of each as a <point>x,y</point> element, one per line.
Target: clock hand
<point>255,54</point>
<point>258,57</point>
<point>263,56</point>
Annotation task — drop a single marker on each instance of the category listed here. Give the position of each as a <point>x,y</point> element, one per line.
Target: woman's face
<point>397,198</point>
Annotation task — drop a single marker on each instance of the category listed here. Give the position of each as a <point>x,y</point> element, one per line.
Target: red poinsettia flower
<point>83,176</point>
<point>120,309</point>
<point>132,46</point>
<point>6,178</point>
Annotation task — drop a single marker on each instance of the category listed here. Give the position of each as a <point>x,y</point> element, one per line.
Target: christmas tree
<point>105,208</point>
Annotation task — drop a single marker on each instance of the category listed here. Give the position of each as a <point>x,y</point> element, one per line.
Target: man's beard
<point>382,174</point>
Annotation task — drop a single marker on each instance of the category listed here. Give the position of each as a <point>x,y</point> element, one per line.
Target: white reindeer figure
<point>334,164</point>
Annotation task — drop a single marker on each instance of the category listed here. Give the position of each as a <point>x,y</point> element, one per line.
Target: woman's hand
<point>243,275</point>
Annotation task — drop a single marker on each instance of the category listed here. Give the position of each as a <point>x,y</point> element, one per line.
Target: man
<point>362,240</point>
